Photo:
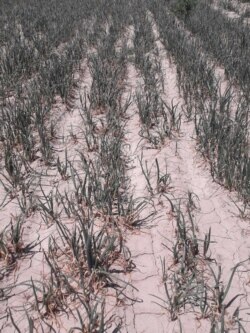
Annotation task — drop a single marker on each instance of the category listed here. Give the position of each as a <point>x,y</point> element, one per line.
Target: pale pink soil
<point>188,172</point>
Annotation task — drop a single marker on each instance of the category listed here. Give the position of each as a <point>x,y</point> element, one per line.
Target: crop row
<point>222,131</point>
<point>226,39</point>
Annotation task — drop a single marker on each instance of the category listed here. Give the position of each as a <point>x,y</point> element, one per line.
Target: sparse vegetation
<point>95,101</point>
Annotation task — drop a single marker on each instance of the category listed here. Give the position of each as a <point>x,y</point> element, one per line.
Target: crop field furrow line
<point>232,39</point>
<point>146,277</point>
<point>35,265</point>
<point>202,94</point>
<point>124,167</point>
<point>187,176</point>
<point>199,182</point>
<point>62,178</point>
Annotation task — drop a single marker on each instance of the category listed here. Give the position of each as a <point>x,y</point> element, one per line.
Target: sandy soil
<point>188,173</point>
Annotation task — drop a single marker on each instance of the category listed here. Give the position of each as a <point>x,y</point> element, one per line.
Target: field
<point>124,166</point>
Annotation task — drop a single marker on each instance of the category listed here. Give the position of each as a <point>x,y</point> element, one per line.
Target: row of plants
<point>222,131</point>
<point>194,281</point>
<point>31,32</point>
<point>225,39</point>
<point>27,124</point>
<point>31,79</point>
<point>158,119</point>
<point>87,252</point>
